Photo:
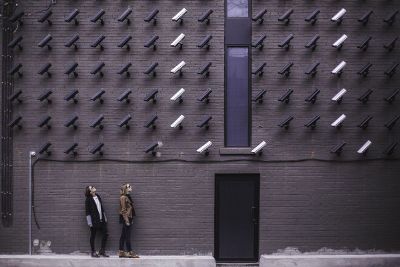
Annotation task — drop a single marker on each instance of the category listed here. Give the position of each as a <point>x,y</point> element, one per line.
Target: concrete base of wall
<point>376,260</point>
<point>72,260</point>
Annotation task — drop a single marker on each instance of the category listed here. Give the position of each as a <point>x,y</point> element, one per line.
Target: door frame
<point>237,176</point>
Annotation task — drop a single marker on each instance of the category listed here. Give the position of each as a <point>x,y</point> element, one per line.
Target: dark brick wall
<point>307,204</point>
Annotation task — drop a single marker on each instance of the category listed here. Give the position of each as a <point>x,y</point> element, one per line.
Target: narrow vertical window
<point>237,8</point>
<point>237,97</point>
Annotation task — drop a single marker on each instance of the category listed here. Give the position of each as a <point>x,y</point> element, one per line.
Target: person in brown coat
<point>127,212</point>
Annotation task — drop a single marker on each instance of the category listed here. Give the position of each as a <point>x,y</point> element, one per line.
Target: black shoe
<point>103,254</point>
<point>94,254</point>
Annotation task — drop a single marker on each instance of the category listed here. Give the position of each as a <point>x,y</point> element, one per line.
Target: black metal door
<point>236,217</point>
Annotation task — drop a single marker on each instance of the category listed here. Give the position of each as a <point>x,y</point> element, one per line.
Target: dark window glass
<point>237,97</point>
<point>237,8</point>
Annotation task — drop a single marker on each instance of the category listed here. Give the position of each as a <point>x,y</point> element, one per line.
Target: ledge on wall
<point>235,151</point>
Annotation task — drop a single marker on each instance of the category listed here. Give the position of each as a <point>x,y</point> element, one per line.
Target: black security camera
<point>72,96</point>
<point>124,16</point>
<point>205,16</point>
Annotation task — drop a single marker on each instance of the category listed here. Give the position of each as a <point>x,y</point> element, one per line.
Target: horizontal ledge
<point>235,151</point>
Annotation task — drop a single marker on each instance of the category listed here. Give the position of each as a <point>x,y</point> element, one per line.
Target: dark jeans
<point>125,237</point>
<point>102,227</point>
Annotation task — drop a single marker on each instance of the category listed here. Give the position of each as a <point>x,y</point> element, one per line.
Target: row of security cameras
<point>99,17</point>
<point>363,149</point>
<point>313,17</point>
<point>338,97</point>
<point>313,69</point>
<point>204,70</point>
<point>98,122</point>
<point>124,97</point>
<point>313,42</point>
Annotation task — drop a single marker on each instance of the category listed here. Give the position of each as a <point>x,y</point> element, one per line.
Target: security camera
<point>205,123</point>
<point>72,96</point>
<point>390,124</point>
<point>390,149</point>
<point>16,42</point>
<point>391,18</point>
<point>286,122</point>
<point>151,96</point>
<point>259,43</point>
<point>17,17</point>
<point>365,96</point>
<point>364,148</point>
<point>98,16</point>
<point>72,69</point>
<point>205,16</point>
<point>152,42</point>
<point>365,18</point>
<point>151,69</point>
<point>45,122</point>
<point>337,149</point>
<point>72,149</point>
<point>46,17</point>
<point>339,68</point>
<point>151,122</point>
<point>286,69</point>
<point>98,69</point>
<point>45,69</point>
<point>339,121</point>
<point>204,148</point>
<point>16,96</point>
<point>72,16</point>
<point>152,16</point>
<point>98,148</point>
<point>313,122</point>
<point>45,96</point>
<point>286,16</point>
<point>258,149</point>
<point>98,96</point>
<point>365,122</point>
<point>125,42</point>
<point>178,68</point>
<point>339,42</point>
<point>260,70</point>
<point>205,69</point>
<point>313,69</point>
<point>391,45</point>
<point>178,96</point>
<point>16,122</point>
<point>16,69</point>
<point>178,41</point>
<point>72,42</point>
<point>365,44</point>
<point>125,122</point>
<point>98,42</point>
<point>178,122</point>
<point>45,42</point>
<point>179,16</point>
<point>365,70</point>
<point>153,148</point>
<point>205,97</point>
<point>260,96</point>
<point>45,149</point>
<point>339,96</point>
<point>286,97</point>
<point>259,16</point>
<point>313,42</point>
<point>313,97</point>
<point>71,122</point>
<point>313,17</point>
<point>205,42</point>
<point>125,96</point>
<point>124,16</point>
<point>286,42</point>
<point>98,122</point>
<point>392,96</point>
<point>338,17</point>
<point>125,69</point>
<point>391,70</point>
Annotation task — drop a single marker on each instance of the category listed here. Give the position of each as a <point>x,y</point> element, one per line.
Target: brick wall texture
<point>309,198</point>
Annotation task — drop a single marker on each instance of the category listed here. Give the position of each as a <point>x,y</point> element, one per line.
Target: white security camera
<point>339,16</point>
<point>178,67</point>
<point>339,42</point>
<point>179,15</point>
<point>32,154</point>
<point>338,97</point>
<point>204,148</point>
<point>364,148</point>
<point>178,40</point>
<point>178,122</point>
<point>339,68</point>
<point>259,148</point>
<point>178,95</point>
<point>338,122</point>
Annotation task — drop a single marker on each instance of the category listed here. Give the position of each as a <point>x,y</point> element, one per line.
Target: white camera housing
<point>204,147</point>
<point>32,154</point>
<point>339,67</point>
<point>177,95</point>
<point>178,67</point>
<point>364,147</point>
<point>339,95</point>
<point>180,14</point>
<point>338,16</point>
<point>178,121</point>
<point>259,147</point>
<point>338,122</point>
<point>178,40</point>
<point>339,42</point>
